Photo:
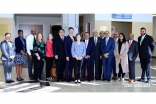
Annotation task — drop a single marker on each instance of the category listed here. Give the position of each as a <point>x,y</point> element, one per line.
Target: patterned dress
<point>19,58</point>
<point>39,47</point>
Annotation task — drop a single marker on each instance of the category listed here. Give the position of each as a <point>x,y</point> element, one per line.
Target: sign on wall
<point>103,28</point>
<point>112,29</point>
<point>3,29</point>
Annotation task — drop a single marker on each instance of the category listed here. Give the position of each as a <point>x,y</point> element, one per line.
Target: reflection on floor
<point>93,86</point>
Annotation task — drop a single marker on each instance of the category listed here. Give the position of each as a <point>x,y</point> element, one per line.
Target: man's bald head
<point>33,31</point>
<point>102,34</point>
<point>131,36</point>
<point>116,35</point>
<point>107,33</point>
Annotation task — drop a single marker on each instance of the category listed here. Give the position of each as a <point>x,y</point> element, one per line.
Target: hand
<point>80,58</point>
<point>106,55</point>
<point>86,57</point>
<point>38,57</point>
<point>100,57</point>
<point>67,58</point>
<point>11,57</point>
<point>36,54</point>
<point>56,57</point>
<point>77,58</point>
<point>30,57</point>
<point>120,57</point>
<point>117,56</point>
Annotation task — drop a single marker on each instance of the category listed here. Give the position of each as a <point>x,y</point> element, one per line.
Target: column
<point>70,20</point>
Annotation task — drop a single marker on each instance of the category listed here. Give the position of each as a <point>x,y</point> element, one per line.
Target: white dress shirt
<point>29,43</point>
<point>86,43</point>
<point>116,39</point>
<point>130,41</point>
<point>10,45</point>
<point>142,38</point>
<point>107,40</point>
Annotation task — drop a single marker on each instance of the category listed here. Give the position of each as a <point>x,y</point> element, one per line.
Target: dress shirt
<point>116,39</point>
<point>10,45</point>
<point>130,41</point>
<point>86,42</point>
<point>78,50</point>
<point>142,38</point>
<point>29,43</point>
<point>107,40</point>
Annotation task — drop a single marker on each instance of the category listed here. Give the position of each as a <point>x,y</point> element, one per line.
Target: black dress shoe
<point>18,79</point>
<point>11,81</point>
<point>7,81</point>
<point>104,79</point>
<point>98,78</point>
<point>142,80</point>
<point>148,81</point>
<point>59,80</point>
<point>88,80</point>
<point>108,80</point>
<point>68,80</point>
<point>31,78</point>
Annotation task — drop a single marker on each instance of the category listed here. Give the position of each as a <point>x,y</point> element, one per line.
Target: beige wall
<point>99,23</point>
<point>122,27</point>
<point>154,28</point>
<point>9,22</point>
<point>136,28</point>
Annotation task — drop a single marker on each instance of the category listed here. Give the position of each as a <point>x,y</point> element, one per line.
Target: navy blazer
<point>59,47</point>
<point>90,48</point>
<point>97,51</point>
<point>133,50</point>
<point>67,46</point>
<point>147,47</point>
<point>19,45</point>
<point>109,48</point>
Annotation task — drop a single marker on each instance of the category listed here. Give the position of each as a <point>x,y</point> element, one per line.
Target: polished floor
<point>93,86</point>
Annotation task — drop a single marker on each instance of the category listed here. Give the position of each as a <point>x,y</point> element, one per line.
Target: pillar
<point>70,20</point>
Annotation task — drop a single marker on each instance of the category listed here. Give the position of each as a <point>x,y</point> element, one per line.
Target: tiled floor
<point>94,86</point>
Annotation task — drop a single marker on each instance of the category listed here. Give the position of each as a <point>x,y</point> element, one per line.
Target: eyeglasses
<point>102,33</point>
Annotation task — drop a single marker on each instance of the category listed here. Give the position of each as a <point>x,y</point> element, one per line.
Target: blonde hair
<point>41,35</point>
<point>49,35</point>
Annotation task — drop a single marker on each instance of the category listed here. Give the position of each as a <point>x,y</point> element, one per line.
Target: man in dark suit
<point>107,49</point>
<point>88,58</point>
<point>97,51</point>
<point>102,36</point>
<point>69,60</point>
<point>146,47</point>
<point>60,54</point>
<point>132,55</point>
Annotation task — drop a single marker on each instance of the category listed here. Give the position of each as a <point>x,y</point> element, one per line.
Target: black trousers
<point>49,63</point>
<point>98,69</point>
<point>77,67</point>
<point>121,72</point>
<point>131,69</point>
<point>38,68</point>
<point>60,67</point>
<point>145,65</point>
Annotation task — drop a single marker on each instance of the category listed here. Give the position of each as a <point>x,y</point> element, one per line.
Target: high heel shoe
<point>21,79</point>
<point>18,79</point>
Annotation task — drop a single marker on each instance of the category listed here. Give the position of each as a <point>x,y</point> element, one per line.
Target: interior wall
<point>45,21</point>
<point>9,22</point>
<point>122,27</point>
<point>154,28</point>
<point>89,18</point>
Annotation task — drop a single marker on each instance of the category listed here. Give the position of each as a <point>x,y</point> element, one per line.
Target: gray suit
<point>7,51</point>
<point>132,55</point>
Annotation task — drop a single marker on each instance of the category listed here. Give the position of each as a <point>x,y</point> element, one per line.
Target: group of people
<point>102,56</point>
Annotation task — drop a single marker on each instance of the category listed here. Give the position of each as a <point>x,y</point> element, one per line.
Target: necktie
<point>62,39</point>
<point>86,44</point>
<point>106,41</point>
<point>95,41</point>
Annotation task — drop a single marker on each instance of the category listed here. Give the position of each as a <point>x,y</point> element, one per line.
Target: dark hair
<point>143,28</point>
<point>61,29</point>
<point>86,33</point>
<point>7,33</point>
<point>124,38</point>
<point>20,31</point>
<point>70,28</point>
<point>77,35</point>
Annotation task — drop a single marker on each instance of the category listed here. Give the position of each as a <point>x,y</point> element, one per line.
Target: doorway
<point>88,28</point>
<point>55,29</point>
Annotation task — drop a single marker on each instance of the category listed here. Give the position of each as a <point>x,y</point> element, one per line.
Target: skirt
<point>19,59</point>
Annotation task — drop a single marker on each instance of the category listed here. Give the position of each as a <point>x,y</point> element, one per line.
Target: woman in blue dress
<point>20,57</point>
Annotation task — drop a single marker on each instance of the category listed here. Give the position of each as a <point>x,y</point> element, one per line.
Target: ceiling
<point>39,15</point>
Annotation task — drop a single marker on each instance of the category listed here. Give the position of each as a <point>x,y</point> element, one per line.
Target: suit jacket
<point>67,46</point>
<point>7,51</point>
<point>133,50</point>
<point>59,47</point>
<point>97,50</point>
<point>109,48</point>
<point>90,49</point>
<point>19,45</point>
<point>124,60</point>
<point>146,48</point>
